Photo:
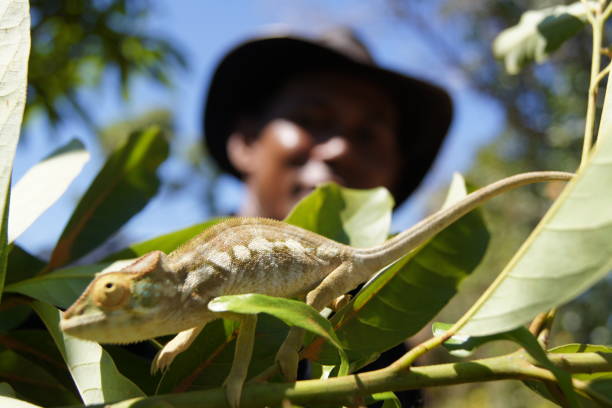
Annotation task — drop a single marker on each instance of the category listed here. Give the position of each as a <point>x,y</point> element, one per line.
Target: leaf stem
<point>597,24</point>
<point>589,11</point>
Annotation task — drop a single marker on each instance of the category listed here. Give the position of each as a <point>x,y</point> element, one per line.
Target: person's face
<point>319,127</point>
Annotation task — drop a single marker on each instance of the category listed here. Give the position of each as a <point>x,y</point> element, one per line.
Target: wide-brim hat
<point>252,71</point>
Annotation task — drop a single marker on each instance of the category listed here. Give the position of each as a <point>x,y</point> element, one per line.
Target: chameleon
<point>160,294</point>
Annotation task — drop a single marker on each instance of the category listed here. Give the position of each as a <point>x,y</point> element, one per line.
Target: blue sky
<point>205,30</point>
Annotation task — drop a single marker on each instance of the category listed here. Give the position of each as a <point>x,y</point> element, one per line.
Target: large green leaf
<point>21,264</point>
<point>539,33</point>
<point>292,312</point>
<point>38,346</point>
<point>60,288</point>
<point>15,46</point>
<point>121,189</point>
<point>43,184</point>
<point>32,381</point>
<point>165,243</point>
<point>405,296</point>
<point>359,218</point>
<point>92,369</point>
<point>568,252</point>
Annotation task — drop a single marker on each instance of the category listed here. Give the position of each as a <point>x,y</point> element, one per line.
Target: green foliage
<point>578,225</point>
<point>292,312</point>
<point>539,33</point>
<point>121,189</point>
<point>359,218</point>
<point>91,368</point>
<point>397,303</point>
<point>76,42</point>
<point>403,298</point>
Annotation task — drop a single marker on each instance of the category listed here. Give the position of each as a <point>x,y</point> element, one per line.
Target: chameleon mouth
<point>77,326</point>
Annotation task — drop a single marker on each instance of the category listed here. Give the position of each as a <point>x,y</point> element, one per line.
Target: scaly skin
<point>161,294</point>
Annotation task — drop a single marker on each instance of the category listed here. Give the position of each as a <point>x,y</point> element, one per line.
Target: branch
<point>344,390</point>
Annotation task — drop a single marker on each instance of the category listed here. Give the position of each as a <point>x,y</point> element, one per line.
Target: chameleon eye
<point>111,291</point>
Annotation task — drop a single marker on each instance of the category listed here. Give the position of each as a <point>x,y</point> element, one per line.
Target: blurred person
<point>285,113</point>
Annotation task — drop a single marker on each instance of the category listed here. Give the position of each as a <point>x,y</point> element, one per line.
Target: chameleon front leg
<point>339,281</point>
<point>242,357</point>
<point>174,347</point>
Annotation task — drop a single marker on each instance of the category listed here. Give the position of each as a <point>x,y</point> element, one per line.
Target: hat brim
<point>246,76</point>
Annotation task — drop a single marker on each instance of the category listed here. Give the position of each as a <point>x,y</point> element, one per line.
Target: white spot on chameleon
<point>260,245</point>
<point>221,259</point>
<point>296,248</point>
<point>241,253</point>
<point>327,251</point>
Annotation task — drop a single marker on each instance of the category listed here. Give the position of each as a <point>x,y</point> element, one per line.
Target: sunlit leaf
<point>292,312</point>
<point>359,218</point>
<point>539,33</point>
<point>43,184</point>
<point>16,403</point>
<point>568,252</point>
<point>121,189</point>
<point>92,369</point>
<point>14,52</point>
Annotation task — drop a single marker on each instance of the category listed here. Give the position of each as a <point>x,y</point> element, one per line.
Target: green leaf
<point>398,302</point>
<point>528,341</point>
<point>92,369</point>
<point>389,398</point>
<point>29,379</point>
<point>359,218</point>
<point>567,253</point>
<point>598,385</point>
<point>121,189</point>
<point>21,264</point>
<point>463,346</point>
<point>292,312</point>
<point>6,390</point>
<point>43,184</point>
<point>539,33</point>
<point>60,288</point>
<point>165,243</point>
<point>38,346</point>
<point>16,403</point>
<point>15,28</point>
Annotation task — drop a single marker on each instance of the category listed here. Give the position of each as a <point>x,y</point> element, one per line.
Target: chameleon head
<point>125,306</point>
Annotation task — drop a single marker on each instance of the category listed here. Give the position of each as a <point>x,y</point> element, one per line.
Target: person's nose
<point>330,149</point>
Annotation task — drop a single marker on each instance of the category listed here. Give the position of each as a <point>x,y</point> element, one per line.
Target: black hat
<point>246,77</point>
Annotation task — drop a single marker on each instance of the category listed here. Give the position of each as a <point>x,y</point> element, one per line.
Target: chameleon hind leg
<point>339,281</point>
<point>242,357</point>
<point>174,347</point>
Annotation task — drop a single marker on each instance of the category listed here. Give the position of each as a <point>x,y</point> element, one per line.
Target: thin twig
<point>592,98</point>
<point>589,11</point>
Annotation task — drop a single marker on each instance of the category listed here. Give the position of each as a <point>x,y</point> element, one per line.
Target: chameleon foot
<point>162,361</point>
<point>173,348</point>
